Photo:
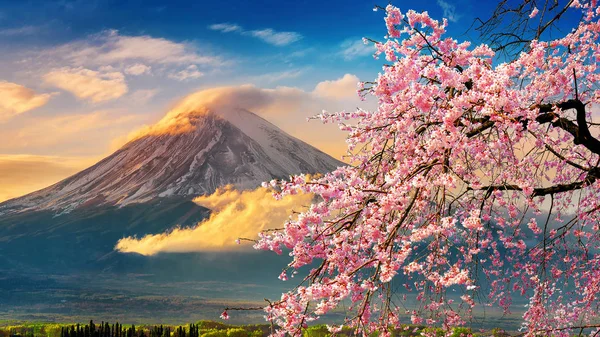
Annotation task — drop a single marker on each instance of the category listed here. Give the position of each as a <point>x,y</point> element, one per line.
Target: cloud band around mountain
<point>235,214</point>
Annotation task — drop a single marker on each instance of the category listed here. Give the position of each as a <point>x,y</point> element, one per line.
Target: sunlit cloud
<point>22,174</point>
<point>286,107</point>
<point>84,133</point>
<point>345,87</point>
<point>234,214</point>
<point>16,99</point>
<point>109,47</point>
<point>131,55</point>
<point>91,85</point>
<point>268,35</point>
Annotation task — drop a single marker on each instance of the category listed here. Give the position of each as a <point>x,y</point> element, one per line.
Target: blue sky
<point>320,30</point>
<point>79,76</point>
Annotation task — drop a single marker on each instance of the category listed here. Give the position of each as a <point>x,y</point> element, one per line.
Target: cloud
<point>354,48</point>
<point>225,27</point>
<point>142,96</point>
<point>262,101</point>
<point>16,99</point>
<point>109,47</point>
<point>138,69</point>
<point>20,31</point>
<point>22,174</point>
<point>91,85</point>
<point>268,35</point>
<point>190,72</point>
<point>250,97</point>
<point>234,215</point>
<point>449,10</point>
<point>341,88</point>
<point>276,38</point>
<point>286,107</point>
<point>83,133</point>
<point>131,55</point>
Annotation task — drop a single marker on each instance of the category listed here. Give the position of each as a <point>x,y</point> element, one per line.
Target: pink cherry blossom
<point>475,181</point>
<point>534,12</point>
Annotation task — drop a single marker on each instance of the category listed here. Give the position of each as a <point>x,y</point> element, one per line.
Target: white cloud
<point>225,27</point>
<point>449,10</point>
<point>268,35</point>
<point>109,51</point>
<point>190,72</point>
<point>341,88</point>
<point>16,99</point>
<point>109,47</point>
<point>354,48</point>
<point>138,69</point>
<point>276,38</point>
<point>84,83</point>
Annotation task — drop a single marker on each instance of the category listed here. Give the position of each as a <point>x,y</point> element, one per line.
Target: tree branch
<point>580,131</point>
<point>591,178</point>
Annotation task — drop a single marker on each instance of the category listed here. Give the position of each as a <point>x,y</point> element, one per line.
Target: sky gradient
<point>79,77</point>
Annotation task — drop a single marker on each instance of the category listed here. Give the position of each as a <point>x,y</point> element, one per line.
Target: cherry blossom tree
<point>474,183</point>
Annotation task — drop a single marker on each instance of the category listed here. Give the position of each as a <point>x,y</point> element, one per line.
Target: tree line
<point>104,329</point>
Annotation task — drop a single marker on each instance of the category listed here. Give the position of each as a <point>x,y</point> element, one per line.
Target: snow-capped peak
<point>198,146</point>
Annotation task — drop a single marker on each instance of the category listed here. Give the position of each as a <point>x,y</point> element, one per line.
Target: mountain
<point>185,155</point>
<point>57,255</point>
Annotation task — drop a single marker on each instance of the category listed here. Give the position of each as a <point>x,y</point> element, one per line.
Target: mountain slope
<point>186,154</point>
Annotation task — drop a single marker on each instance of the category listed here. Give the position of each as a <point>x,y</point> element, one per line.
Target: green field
<point>199,329</point>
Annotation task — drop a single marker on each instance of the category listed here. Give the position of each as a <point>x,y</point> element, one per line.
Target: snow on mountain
<point>195,149</point>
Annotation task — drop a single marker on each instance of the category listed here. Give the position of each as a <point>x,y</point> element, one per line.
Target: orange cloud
<point>88,84</point>
<point>341,88</point>
<point>234,214</point>
<point>16,99</point>
<point>22,174</point>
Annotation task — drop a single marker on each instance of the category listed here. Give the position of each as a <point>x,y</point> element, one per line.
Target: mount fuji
<point>184,155</point>
<point>59,242</point>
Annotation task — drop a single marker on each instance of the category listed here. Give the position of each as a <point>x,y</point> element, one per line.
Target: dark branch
<point>591,178</point>
<point>580,131</point>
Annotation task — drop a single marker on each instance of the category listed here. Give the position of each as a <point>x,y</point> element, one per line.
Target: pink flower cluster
<point>471,176</point>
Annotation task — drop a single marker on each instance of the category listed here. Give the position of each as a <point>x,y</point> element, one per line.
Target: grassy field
<point>218,329</point>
